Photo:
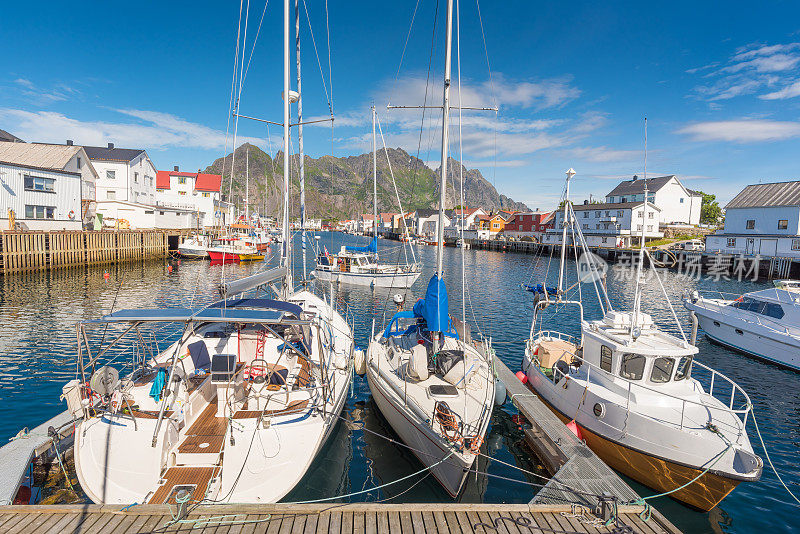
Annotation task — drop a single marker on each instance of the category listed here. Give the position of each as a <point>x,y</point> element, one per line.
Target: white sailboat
<point>361,265</point>
<point>636,394</point>
<point>234,411</point>
<point>433,386</point>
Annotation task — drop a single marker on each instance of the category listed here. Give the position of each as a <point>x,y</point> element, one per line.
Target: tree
<point>710,212</point>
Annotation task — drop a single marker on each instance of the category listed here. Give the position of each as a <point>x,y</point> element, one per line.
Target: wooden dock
<point>334,518</point>
<point>35,251</point>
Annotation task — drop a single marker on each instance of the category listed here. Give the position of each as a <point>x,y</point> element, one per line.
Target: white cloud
<point>42,96</point>
<point>603,154</point>
<point>750,70</point>
<point>790,91</point>
<point>742,131</point>
<point>155,130</point>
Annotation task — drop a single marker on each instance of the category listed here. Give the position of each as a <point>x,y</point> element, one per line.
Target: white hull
<point>193,251</point>
<point>404,280</point>
<point>750,338</point>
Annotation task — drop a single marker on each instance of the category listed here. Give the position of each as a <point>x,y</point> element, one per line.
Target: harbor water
<point>39,311</point>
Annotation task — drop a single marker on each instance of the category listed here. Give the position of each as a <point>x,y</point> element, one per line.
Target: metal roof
<point>767,195</point>
<point>632,187</point>
<point>103,153</point>
<point>38,155</point>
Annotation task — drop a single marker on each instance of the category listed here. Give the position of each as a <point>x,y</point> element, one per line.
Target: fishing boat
<point>232,250</point>
<point>195,247</point>
<point>431,383</point>
<point>234,410</point>
<point>764,324</point>
<point>635,392</point>
<point>361,265</point>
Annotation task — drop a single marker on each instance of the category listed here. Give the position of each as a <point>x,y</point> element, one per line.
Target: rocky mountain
<point>341,188</point>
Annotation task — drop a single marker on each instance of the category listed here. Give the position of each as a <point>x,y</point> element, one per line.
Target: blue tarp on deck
<point>372,247</point>
<point>434,307</point>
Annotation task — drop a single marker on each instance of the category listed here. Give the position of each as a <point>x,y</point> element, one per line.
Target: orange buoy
<point>522,377</point>
<point>106,275</point>
<point>575,429</point>
<point>169,268</point>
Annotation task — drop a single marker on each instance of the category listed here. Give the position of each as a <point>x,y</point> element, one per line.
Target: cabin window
<point>662,370</point>
<point>770,309</point>
<point>605,358</point>
<point>684,368</point>
<point>632,366</point>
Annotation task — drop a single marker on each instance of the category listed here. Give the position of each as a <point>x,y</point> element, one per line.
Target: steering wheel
<point>257,371</point>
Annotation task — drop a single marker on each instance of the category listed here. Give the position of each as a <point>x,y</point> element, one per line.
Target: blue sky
<point>720,86</point>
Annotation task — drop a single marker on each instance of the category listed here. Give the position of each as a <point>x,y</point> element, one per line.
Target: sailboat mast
<point>445,132</point>
<point>637,299</point>
<point>374,176</point>
<point>570,174</point>
<point>286,260</point>
<point>300,136</point>
<point>247,185</point>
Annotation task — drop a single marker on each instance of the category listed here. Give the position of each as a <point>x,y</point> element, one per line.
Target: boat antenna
<point>567,222</point>
<point>286,249</point>
<point>374,179</point>
<point>637,299</point>
<point>300,139</point>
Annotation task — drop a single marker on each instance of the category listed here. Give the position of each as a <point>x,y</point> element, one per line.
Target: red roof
<point>203,182</point>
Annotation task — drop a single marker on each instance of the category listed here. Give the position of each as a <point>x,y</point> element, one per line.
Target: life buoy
<point>71,214</point>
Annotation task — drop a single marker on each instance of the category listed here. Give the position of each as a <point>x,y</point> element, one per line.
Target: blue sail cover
<point>372,247</point>
<point>434,307</point>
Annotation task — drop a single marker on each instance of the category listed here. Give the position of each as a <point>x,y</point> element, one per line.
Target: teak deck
<point>315,518</point>
<point>197,477</point>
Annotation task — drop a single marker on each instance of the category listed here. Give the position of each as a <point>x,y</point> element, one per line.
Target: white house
<point>124,215</point>
<point>192,191</point>
<point>46,187</point>
<point>677,204</point>
<point>425,222</point>
<point>608,225</point>
<point>764,220</point>
<point>123,174</point>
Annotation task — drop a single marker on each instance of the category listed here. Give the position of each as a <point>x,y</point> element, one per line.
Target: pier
<point>36,251</point>
<point>334,518</point>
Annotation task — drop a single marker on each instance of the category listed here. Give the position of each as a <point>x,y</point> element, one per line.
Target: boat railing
<point>631,386</point>
<point>751,317</point>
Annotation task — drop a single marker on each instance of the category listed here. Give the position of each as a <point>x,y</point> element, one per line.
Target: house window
<point>619,213</point>
<point>182,180</point>
<point>632,366</point>
<point>37,183</point>
<point>605,356</point>
<point>39,212</point>
<point>596,226</point>
<point>623,200</point>
<point>649,227</point>
<point>605,240</point>
<point>181,193</point>
<point>681,200</point>
<point>731,242</point>
<point>641,215</point>
<point>650,215</point>
<point>585,226</point>
<point>110,175</point>
<point>783,224</point>
<point>597,214</point>
<point>795,244</point>
<point>206,195</point>
<point>111,195</point>
<point>608,213</point>
<point>161,213</point>
<point>79,163</point>
<point>585,214</point>
<point>751,224</point>
<point>148,212</point>
<point>159,190</point>
<point>136,177</point>
<point>639,228</point>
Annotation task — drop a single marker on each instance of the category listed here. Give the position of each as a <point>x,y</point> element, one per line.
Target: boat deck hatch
<point>442,390</point>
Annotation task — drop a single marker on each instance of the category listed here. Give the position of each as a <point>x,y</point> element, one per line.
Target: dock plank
<point>441,522</point>
<point>347,523</point>
<point>334,523</point>
<point>406,526</point>
<point>393,523</point>
<point>417,521</point>
<point>359,519</point>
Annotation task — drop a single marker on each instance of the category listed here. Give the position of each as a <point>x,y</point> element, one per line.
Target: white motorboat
<point>234,411</point>
<point>195,247</point>
<point>764,324</point>
<point>432,384</point>
<point>637,394</point>
<point>361,265</point>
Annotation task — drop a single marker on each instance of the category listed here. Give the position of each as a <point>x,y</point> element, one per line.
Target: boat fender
<point>360,361</point>
<point>522,377</point>
<point>499,393</point>
<point>575,429</point>
<point>116,401</point>
<point>418,363</point>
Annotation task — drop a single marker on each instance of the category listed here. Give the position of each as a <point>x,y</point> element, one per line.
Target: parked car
<point>694,244</point>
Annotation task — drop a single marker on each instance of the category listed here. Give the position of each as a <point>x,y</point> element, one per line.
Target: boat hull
<point>449,471</point>
<point>223,257</point>
<point>196,253</point>
<point>657,473</point>
<point>403,280</point>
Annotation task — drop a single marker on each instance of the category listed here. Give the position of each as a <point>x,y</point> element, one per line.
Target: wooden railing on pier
<point>33,251</point>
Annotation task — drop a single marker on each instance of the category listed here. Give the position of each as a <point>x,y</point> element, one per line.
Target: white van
<point>694,244</point>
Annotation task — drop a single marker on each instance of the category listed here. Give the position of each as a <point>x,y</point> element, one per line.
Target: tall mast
<point>445,132</point>
<point>374,176</point>
<point>570,174</point>
<point>247,185</point>
<point>300,136</point>
<point>286,260</point>
<point>637,299</point>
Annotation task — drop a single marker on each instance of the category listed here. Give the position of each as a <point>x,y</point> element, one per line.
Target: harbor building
<point>488,226</point>
<point>425,222</point>
<point>676,203</point>
<point>609,225</point>
<point>195,192</point>
<point>762,220</point>
<point>46,187</point>
<point>126,215</point>
<point>123,173</point>
<point>532,224</point>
